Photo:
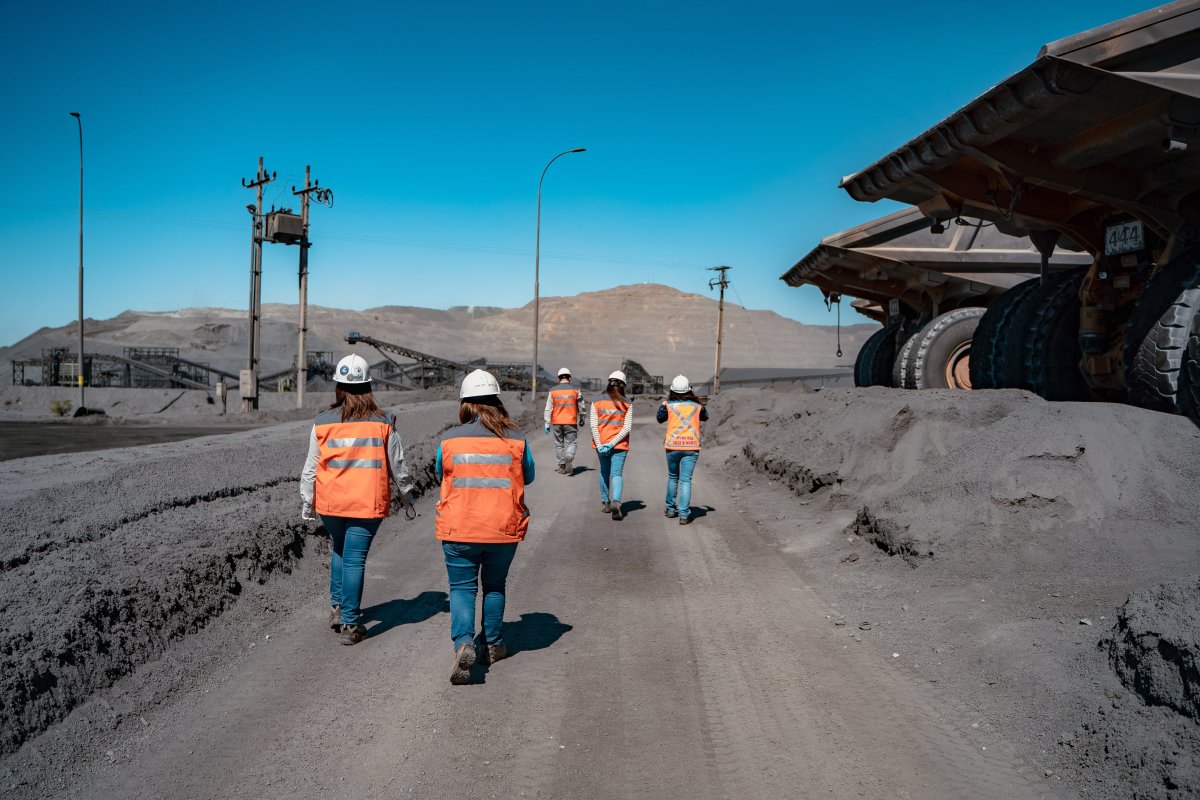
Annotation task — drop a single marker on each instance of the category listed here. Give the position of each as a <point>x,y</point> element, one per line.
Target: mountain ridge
<point>667,330</point>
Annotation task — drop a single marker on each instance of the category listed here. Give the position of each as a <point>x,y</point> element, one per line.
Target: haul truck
<point>1095,145</point>
<point>929,290</point>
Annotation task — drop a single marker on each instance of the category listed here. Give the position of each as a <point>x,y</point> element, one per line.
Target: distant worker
<point>611,418</point>
<point>683,413</point>
<point>563,418</point>
<point>484,465</point>
<point>353,451</point>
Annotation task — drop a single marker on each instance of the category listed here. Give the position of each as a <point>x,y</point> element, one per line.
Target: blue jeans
<point>351,539</point>
<point>680,465</point>
<point>467,565</point>
<point>611,465</point>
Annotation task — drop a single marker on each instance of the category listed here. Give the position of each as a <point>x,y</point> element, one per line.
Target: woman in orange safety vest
<point>484,465</point>
<point>611,418</point>
<point>683,414</point>
<point>353,452</point>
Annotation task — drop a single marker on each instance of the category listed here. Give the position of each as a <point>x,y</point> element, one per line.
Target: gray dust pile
<point>1044,556</point>
<point>106,558</point>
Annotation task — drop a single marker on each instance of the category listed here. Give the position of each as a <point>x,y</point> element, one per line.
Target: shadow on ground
<point>398,612</point>
<point>629,506</point>
<point>535,631</point>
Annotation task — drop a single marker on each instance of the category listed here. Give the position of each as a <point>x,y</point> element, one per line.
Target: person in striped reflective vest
<point>611,418</point>
<point>354,453</point>
<point>484,465</point>
<point>562,418</point>
<point>683,414</point>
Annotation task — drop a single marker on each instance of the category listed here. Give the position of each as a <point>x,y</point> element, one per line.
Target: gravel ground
<point>107,558</point>
<point>1040,559</point>
<point>886,594</point>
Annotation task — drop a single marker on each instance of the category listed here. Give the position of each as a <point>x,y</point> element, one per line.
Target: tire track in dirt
<point>864,708</point>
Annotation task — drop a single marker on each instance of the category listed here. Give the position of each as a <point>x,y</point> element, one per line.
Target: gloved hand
<point>306,512</point>
<point>604,449</point>
<point>410,508</point>
<point>547,429</point>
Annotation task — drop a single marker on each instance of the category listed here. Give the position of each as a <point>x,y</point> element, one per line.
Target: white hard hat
<point>564,371</point>
<point>617,376</point>
<point>479,384</point>
<point>352,369</point>
<point>681,384</point>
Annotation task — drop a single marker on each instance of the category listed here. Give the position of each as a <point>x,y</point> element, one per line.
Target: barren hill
<point>667,330</point>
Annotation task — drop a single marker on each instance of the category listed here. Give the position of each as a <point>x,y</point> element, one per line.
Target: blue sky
<point>716,134</point>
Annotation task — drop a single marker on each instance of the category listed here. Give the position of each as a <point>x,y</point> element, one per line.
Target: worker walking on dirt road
<point>683,413</point>
<point>484,465</point>
<point>563,418</point>
<point>611,418</point>
<point>354,452</point>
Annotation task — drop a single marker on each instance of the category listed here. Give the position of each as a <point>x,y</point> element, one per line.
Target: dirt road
<point>649,659</point>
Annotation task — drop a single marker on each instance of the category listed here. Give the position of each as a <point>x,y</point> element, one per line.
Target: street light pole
<point>537,250</point>
<point>79,375</point>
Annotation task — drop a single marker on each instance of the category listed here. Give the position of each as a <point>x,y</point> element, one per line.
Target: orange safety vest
<point>683,426</point>
<point>610,418</point>
<point>352,469</point>
<point>564,405</point>
<point>483,486</point>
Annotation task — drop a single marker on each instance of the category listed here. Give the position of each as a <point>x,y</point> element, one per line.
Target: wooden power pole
<point>721,282</point>
<point>324,196</point>
<point>248,390</point>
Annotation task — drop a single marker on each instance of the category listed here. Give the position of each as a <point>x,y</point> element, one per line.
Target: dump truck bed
<point>899,257</point>
<point>1101,122</point>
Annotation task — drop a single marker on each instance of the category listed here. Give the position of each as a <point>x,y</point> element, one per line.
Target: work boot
<point>616,512</point>
<point>685,520</point>
<point>464,659</point>
<point>495,652</point>
<point>352,634</point>
<point>335,618</point>
<point>604,509</point>
<point>562,468</point>
<point>570,469</point>
<point>669,514</point>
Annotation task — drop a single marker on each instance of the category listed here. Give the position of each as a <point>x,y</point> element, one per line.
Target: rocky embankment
<point>1045,557</point>
<point>107,558</point>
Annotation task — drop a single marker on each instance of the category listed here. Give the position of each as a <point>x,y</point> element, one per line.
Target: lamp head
<point>579,150</point>
<point>75,114</point>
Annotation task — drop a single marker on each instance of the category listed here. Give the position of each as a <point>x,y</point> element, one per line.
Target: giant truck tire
<point>900,363</point>
<point>991,342</point>
<point>1189,376</point>
<point>1156,336</point>
<point>941,355</point>
<point>873,367</point>
<point>1024,316</point>
<point>1052,353</point>
<point>866,359</point>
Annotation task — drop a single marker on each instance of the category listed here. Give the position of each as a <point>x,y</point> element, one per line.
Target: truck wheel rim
<point>958,367</point>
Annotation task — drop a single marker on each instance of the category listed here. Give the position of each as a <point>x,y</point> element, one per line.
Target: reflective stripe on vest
<point>352,471</point>
<point>683,426</point>
<point>483,487</point>
<point>564,405</point>
<point>610,419</point>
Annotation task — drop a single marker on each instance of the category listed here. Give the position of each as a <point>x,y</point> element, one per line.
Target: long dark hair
<point>616,391</point>
<point>490,411</point>
<point>356,401</point>
<point>688,395</point>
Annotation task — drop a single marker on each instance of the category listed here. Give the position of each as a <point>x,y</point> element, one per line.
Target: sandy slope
<point>975,532</point>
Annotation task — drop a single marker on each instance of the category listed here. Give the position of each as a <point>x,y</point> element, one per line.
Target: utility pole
<point>249,376</point>
<point>722,282</point>
<point>82,410</point>
<point>325,197</point>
